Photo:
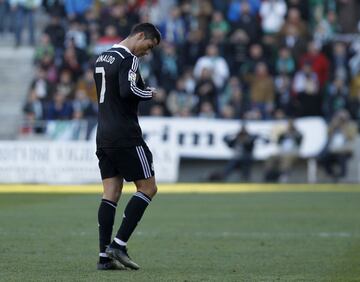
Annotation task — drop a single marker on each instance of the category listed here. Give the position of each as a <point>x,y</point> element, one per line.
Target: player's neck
<point>128,43</point>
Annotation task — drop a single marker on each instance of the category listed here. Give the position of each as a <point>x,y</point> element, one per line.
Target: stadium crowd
<point>226,59</point>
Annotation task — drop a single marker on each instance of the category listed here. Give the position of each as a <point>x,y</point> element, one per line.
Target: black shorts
<point>131,163</point>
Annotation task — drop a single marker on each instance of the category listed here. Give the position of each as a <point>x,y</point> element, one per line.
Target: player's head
<point>146,36</point>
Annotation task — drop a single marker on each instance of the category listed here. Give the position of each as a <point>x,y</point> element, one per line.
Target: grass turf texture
<point>263,236</point>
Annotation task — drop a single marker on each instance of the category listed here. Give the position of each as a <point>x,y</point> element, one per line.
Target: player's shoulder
<point>115,54</point>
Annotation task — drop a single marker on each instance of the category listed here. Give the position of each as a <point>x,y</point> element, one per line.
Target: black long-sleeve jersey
<point>120,88</point>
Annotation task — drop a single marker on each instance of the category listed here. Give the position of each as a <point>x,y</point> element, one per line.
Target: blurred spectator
<point>337,98</point>
<point>169,68</point>
<point>66,85</point>
<point>120,16</point>
<point>243,146</point>
<point>24,11</point>
<point>294,20</point>
<point>180,102</point>
<point>235,10</point>
<point>279,166</point>
<point>285,63</point>
<point>326,28</point>
<point>55,7</point>
<point>106,41</point>
<point>318,10</point>
<point>205,90</point>
<point>207,110</point>
<point>220,5</point>
<point>319,63</point>
<point>215,63</point>
<point>283,96</point>
<point>77,8</point>
<point>300,5</point>
<point>59,108</point>
<point>83,107</point>
<point>262,92</point>
<point>189,80</point>
<point>71,62</point>
<point>40,85</point>
<point>76,36</point>
<point>236,50</point>
<point>349,15</point>
<point>56,32</point>
<point>306,89</point>
<point>5,17</point>
<point>256,55</point>
<point>173,28</point>
<point>150,68</point>
<point>355,86</point>
<point>248,22</point>
<point>194,48</point>
<point>354,108</point>
<point>45,48</point>
<point>354,62</point>
<point>219,24</point>
<point>202,13</point>
<point>156,11</point>
<point>87,84</point>
<point>48,65</point>
<point>231,102</point>
<point>339,62</point>
<point>290,38</point>
<point>339,148</point>
<point>34,114</point>
<point>272,14</point>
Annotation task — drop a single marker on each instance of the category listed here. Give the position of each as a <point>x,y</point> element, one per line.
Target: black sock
<point>132,215</point>
<point>106,216</point>
<point>104,259</point>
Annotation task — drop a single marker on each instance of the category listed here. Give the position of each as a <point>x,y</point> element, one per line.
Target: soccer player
<point>121,149</point>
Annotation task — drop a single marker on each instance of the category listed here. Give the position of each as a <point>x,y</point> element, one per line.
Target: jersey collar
<point>122,46</point>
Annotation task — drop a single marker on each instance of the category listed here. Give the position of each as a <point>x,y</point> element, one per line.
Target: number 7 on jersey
<point>103,83</point>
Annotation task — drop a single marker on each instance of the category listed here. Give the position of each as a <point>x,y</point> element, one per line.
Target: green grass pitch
<point>263,236</point>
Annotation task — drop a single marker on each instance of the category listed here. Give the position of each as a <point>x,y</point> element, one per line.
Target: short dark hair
<point>150,31</point>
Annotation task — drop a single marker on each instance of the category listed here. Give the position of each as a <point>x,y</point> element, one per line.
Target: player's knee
<point>149,190</point>
<point>113,196</point>
<point>117,196</point>
<point>154,190</point>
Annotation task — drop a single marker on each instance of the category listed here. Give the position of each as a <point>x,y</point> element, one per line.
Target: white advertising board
<point>67,162</point>
<point>204,138</point>
<point>169,139</point>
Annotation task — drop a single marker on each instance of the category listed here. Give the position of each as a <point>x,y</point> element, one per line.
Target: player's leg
<point>146,190</point>
<point>143,176</point>
<point>112,187</point>
<point>106,216</point>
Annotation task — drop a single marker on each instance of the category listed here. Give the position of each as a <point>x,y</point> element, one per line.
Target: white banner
<point>68,162</point>
<point>168,139</point>
<point>204,138</point>
<point>48,162</point>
